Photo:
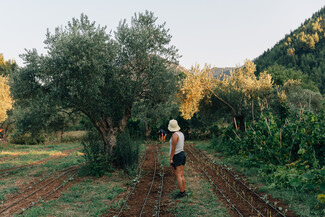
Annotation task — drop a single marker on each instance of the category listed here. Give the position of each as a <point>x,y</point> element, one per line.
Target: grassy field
<point>83,196</point>
<point>17,155</point>
<point>88,196</point>
<point>31,154</point>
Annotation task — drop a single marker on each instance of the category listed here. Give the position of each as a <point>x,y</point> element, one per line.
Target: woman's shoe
<point>180,195</point>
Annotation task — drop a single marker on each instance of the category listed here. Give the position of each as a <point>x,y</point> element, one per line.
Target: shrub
<point>126,153</point>
<point>95,155</point>
<point>289,154</point>
<point>26,139</point>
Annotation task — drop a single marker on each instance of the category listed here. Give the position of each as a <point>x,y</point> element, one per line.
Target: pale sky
<point>218,32</point>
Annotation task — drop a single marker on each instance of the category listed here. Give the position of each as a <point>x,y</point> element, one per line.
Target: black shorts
<point>179,159</point>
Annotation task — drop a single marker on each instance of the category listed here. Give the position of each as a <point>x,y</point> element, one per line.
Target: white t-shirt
<point>179,145</point>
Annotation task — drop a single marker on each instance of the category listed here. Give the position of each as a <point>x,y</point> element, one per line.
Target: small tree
<point>234,91</point>
<point>6,121</point>
<point>5,98</point>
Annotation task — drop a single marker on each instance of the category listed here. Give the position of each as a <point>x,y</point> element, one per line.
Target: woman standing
<point>177,155</point>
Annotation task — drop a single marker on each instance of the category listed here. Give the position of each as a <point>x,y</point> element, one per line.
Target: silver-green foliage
<point>88,69</point>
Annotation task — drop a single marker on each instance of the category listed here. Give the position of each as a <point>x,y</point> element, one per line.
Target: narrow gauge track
<point>148,187</point>
<point>13,170</point>
<point>242,199</point>
<point>38,192</point>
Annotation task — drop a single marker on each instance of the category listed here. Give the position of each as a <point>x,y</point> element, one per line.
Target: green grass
<point>201,199</point>
<point>12,184</point>
<point>304,204</point>
<point>30,154</point>
<point>201,202</point>
<point>164,155</point>
<point>26,148</point>
<point>90,197</point>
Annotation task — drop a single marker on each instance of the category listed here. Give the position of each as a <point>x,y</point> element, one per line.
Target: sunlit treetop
<point>6,66</point>
<point>200,83</point>
<point>2,60</point>
<point>5,99</point>
<point>306,37</point>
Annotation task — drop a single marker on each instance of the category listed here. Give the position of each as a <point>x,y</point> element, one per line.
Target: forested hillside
<point>301,51</point>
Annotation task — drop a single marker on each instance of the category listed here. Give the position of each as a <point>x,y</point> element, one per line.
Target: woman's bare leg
<point>179,172</point>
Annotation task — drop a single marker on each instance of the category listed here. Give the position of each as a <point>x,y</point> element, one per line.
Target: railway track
<point>10,171</point>
<point>37,192</point>
<point>240,197</point>
<point>144,198</point>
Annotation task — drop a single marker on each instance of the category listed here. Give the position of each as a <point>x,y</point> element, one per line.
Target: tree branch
<point>233,111</point>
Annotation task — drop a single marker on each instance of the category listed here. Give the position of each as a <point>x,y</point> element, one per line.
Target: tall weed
<point>126,153</point>
<point>95,154</point>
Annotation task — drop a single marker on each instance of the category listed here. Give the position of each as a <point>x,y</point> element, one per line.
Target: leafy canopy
<point>242,84</point>
<point>5,98</point>
<point>89,70</point>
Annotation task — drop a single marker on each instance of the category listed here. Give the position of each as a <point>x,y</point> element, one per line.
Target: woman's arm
<point>174,142</point>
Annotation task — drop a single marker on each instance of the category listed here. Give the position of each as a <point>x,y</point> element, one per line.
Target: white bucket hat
<point>173,126</point>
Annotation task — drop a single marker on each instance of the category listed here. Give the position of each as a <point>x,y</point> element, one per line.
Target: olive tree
<point>102,74</point>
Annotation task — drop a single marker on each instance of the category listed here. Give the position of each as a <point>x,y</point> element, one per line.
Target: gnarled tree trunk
<point>110,129</point>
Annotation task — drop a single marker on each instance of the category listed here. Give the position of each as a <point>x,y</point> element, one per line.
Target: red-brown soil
<point>136,201</point>
<point>167,203</point>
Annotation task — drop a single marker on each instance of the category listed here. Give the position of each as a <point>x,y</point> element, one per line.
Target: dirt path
<point>167,203</point>
<point>143,200</point>
<point>151,194</point>
<point>236,195</point>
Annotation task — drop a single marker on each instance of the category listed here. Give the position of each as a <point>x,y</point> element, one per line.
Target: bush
<point>299,138</point>
<point>95,155</point>
<point>126,154</point>
<point>289,154</point>
<point>26,139</point>
<point>218,145</point>
<point>290,176</point>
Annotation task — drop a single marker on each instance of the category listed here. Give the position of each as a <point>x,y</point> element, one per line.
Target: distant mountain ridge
<point>216,70</point>
<point>302,49</point>
<point>219,70</point>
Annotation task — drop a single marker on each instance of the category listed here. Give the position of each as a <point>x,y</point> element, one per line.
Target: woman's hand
<point>171,161</point>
